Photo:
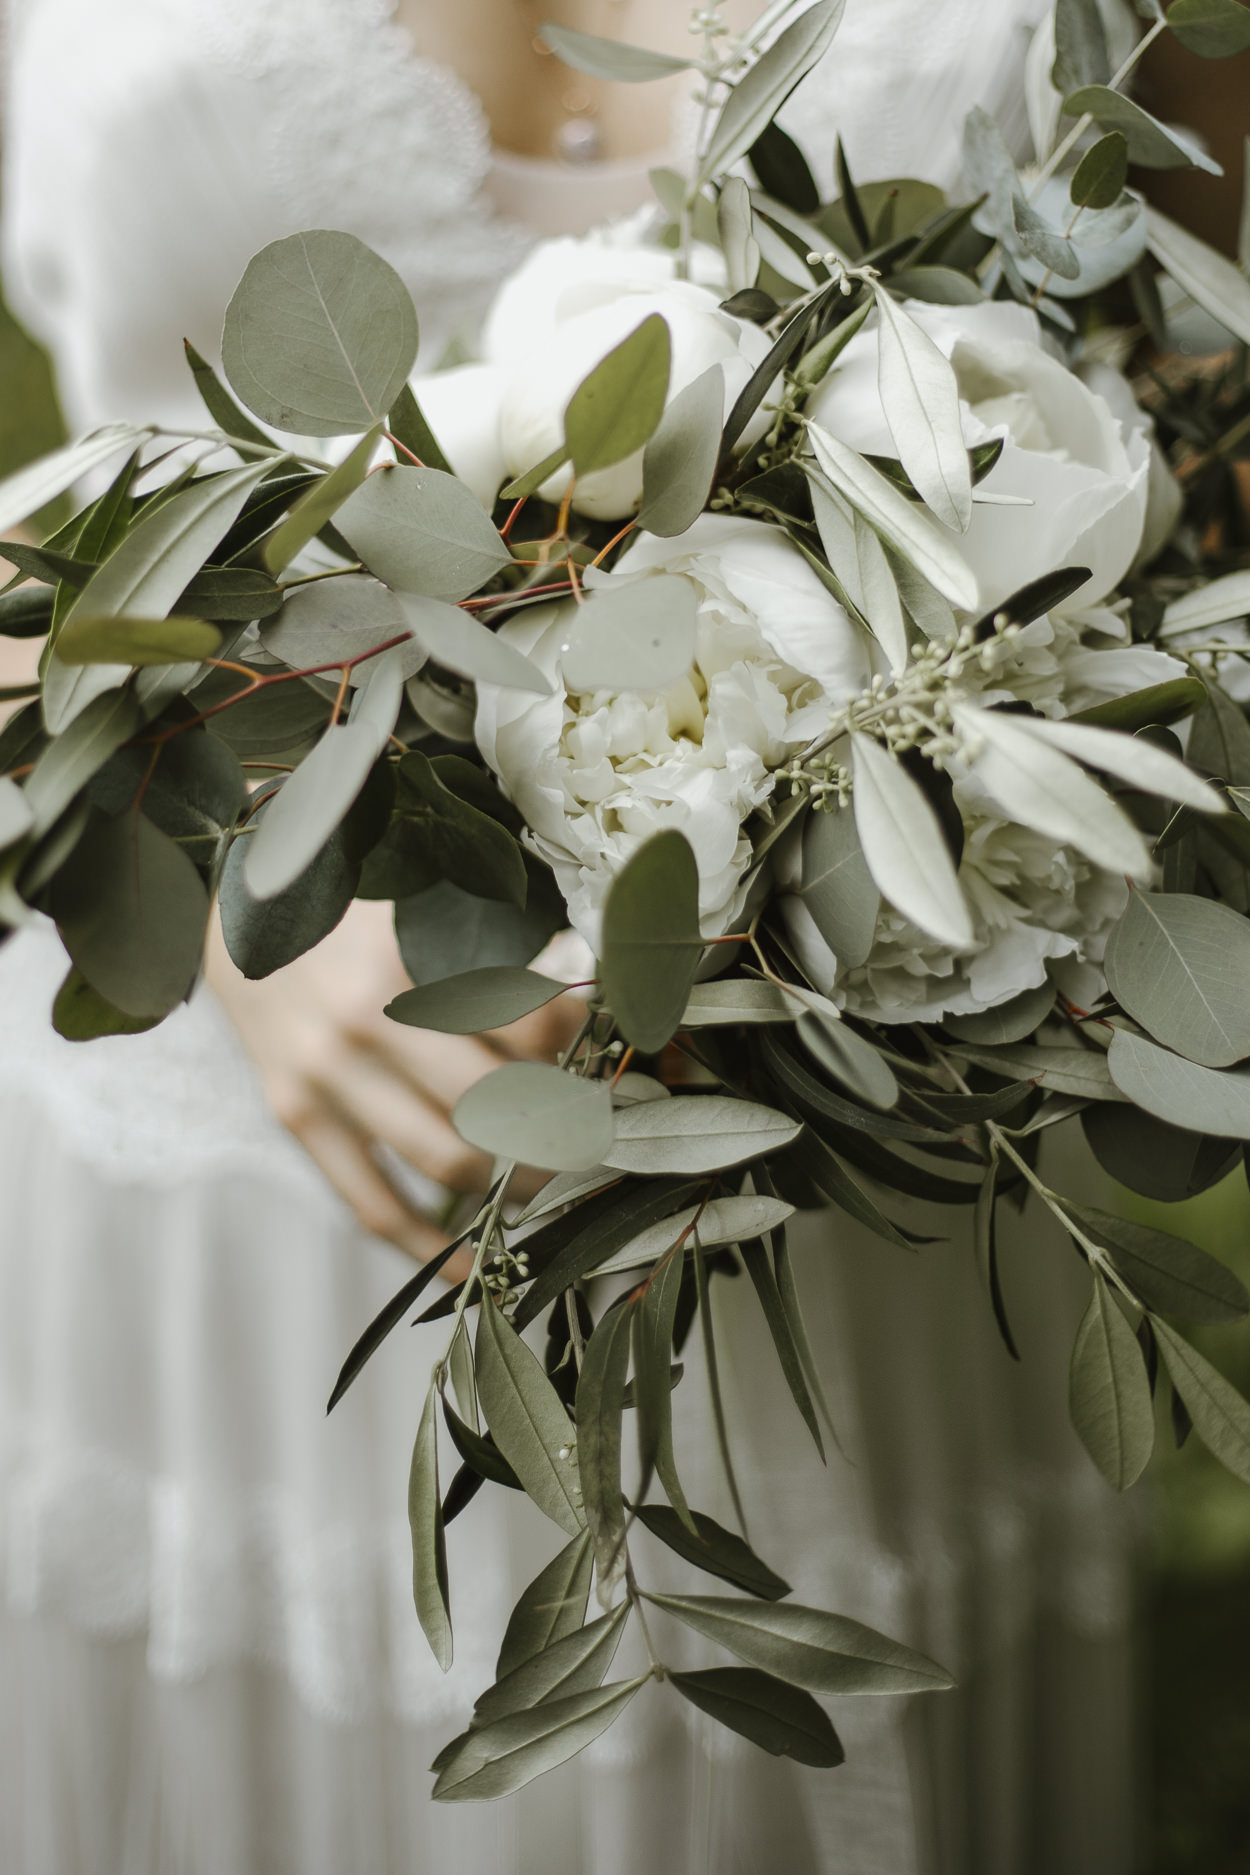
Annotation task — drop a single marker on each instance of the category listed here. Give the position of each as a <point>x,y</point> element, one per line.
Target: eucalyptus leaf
<point>758,96</point>
<point>679,462</point>
<point>1045,244</point>
<point>81,1014</point>
<point>825,1653</point>
<point>17,815</point>
<point>445,931</point>
<point>1205,1100</point>
<point>318,504</point>
<point>494,1760</point>
<point>553,1606</point>
<point>422,531</point>
<point>1101,173</point>
<point>477,1000</point>
<point>1150,143</point>
<point>460,643</point>
<point>1180,966</point>
<point>40,482</point>
<point>838,888</point>
<point>526,1419</point>
<point>334,620</point>
<point>608,58</point>
<point>778,1718</point>
<point>320,335</point>
<point>695,1133</point>
<point>1109,1392</point>
<point>1221,1417</point>
<point>617,407</point>
<point>84,639</point>
<point>574,1663</point>
<point>132,912</point>
<point>650,948</point>
<point>539,1115</point>
<point>727,1001</point>
<point>632,635</point>
<point>429,1548</point>
<point>713,1549</point>
<point>903,846</point>
<point>599,1410</point>
<point>1214,29</point>
<point>410,430</point>
<point>1011,1021</point>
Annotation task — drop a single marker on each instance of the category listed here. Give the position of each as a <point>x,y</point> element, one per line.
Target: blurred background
<point>1194,1585</point>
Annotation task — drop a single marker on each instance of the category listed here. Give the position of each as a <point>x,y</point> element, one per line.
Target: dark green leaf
<point>408,425</point>
<point>482,1455</point>
<point>1167,1273</point>
<point>90,639</point>
<point>389,1317</point>
<point>1221,1417</point>
<point>595,1230</point>
<point>81,1014</point>
<point>838,889</point>
<point>806,1647</point>
<point>230,595</point>
<point>67,763</point>
<point>445,931</point>
<point>713,1549</point>
<point>985,1239</point>
<point>778,1718</point>
<point>218,402</point>
<point>575,1663</point>
<point>1214,29</point>
<point>653,1386</point>
<point>1101,173</point>
<point>477,1000</point>
<point>26,613</point>
<point>1109,1392</point>
<point>782,170</point>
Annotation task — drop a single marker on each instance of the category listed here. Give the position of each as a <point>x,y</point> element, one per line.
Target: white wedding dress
<point>209,1659</point>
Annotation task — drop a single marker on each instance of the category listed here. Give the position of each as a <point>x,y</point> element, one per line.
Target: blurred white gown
<point>209,1661</point>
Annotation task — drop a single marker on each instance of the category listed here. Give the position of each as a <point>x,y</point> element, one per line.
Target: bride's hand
<point>345,1079</point>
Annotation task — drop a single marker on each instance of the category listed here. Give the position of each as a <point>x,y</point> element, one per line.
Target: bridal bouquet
<point>795,601</point>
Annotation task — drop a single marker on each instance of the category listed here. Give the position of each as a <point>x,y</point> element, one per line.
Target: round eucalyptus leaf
<point>1214,29</point>
<point>320,335</point>
<point>1180,966</point>
<point>1012,1021</point>
<point>331,619</point>
<point>539,1115</point>
<point>478,1000</point>
<point>616,408</point>
<point>632,635</point>
<point>95,640</point>
<point>132,911</point>
<point>679,464</point>
<point>460,643</point>
<point>422,531</point>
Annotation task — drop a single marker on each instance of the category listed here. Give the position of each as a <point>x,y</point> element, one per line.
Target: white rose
<point>595,774</point>
<point>1084,472</point>
<point>552,322</point>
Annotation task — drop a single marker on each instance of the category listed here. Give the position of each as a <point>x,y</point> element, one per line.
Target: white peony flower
<point>1084,472</point>
<point>595,774</point>
<point>551,323</point>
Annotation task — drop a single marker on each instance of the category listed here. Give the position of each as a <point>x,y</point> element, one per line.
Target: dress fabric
<point>208,1655</point>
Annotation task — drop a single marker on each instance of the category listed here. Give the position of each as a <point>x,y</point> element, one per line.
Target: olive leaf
<point>608,58</point>
<point>33,487</point>
<point>311,510</point>
<point>713,1549</point>
<point>695,1133</point>
<point>653,1386</point>
<point>494,1760</point>
<point>1218,287</point>
<point>903,846</point>
<point>573,1663</point>
<point>920,398</point>
<point>429,1547</point>
<point>758,96</point>
<point>320,335</point>
<point>1109,1392</point>
<point>599,1409</point>
<point>778,1718</point>
<point>526,1419</point>
<point>1165,1272</point>
<point>1221,1417</point>
<point>806,1647</point>
<point>907,529</point>
<point>553,1606</point>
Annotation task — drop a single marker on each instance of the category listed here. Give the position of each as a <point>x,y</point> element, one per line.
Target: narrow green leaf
<point>67,764</point>
<point>600,1406</point>
<point>713,1549</point>
<point>522,486</point>
<point>388,1318</point>
<point>653,1386</point>
<point>838,887</point>
<point>575,1663</point>
<point>553,1605</point>
<point>651,945</point>
<point>1166,1272</point>
<point>527,1420</point>
<point>87,639</point>
<point>429,1549</point>
<point>712,1365</point>
<point>806,1647</point>
<point>903,846</point>
<point>617,407</point>
<point>985,1240</point>
<point>1221,1417</point>
<point>608,58</point>
<point>40,482</point>
<point>318,504</point>
<point>218,402</point>
<point>461,643</point>
<point>778,1718</point>
<point>756,98</point>
<point>695,1133</point>
<point>496,1759</point>
<point>728,1001</point>
<point>480,999</point>
<point>1109,1392</point>
<point>901,524</point>
<point>408,426</point>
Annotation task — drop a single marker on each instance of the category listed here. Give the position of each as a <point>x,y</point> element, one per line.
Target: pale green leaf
<point>632,635</point>
<point>31,488</point>
<point>461,643</point>
<point>679,463</point>
<point>1214,29</point>
<point>1204,1100</point>
<point>730,1000</point>
<point>320,335</point>
<point>920,398</point>
<point>526,1419</point>
<point>497,1759</point>
<point>318,504</point>
<point>1081,56</point>
<point>650,948</point>
<point>84,639</point>
<point>1109,1392</point>
<point>478,1000</point>
<point>429,1549</point>
<point>552,1606</point>
<point>825,1653</point>
<point>903,846</point>
<point>1180,966</point>
<point>838,888</point>
<point>1149,142</point>
<point>608,58</point>
<point>421,531</point>
<point>720,1221</point>
<point>756,98</point>
<point>539,1115</point>
<point>1082,1072</point>
<point>903,525</point>
<point>1213,282</point>
<point>738,244</point>
<point>78,753</point>
<point>695,1133</point>
<point>1215,602</point>
<point>617,407</point>
<point>334,620</point>
<point>574,1663</point>
<point>1129,758</point>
